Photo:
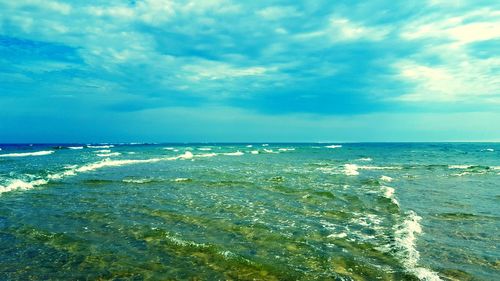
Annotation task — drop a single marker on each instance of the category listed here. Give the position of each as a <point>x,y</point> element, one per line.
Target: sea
<point>250,211</point>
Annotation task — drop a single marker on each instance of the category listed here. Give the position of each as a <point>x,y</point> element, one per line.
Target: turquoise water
<point>250,212</point>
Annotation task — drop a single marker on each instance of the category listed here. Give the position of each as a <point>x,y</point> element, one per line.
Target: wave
<point>334,146</point>
<point>100,146</point>
<point>75,147</point>
<point>140,181</point>
<point>20,184</point>
<point>73,170</point>
<point>38,153</point>
<point>237,153</point>
<point>380,167</point>
<point>351,170</point>
<point>405,243</point>
<point>206,155</point>
<point>204,148</point>
<point>286,149</point>
<point>109,154</point>
<point>458,166</point>
<point>102,151</point>
<point>386,178</point>
<point>367,159</point>
<point>270,151</point>
<point>254,152</point>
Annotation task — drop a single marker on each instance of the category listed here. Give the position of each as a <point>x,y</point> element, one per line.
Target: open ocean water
<point>426,211</point>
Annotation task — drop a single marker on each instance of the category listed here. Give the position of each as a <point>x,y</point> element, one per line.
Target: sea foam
<point>20,184</point>
<point>237,153</point>
<point>405,243</point>
<point>351,170</point>
<point>38,153</point>
<point>334,146</point>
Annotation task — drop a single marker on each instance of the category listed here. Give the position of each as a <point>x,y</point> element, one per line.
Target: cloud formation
<point>324,58</point>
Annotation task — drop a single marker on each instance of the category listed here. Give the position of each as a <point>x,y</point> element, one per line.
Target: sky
<point>249,71</point>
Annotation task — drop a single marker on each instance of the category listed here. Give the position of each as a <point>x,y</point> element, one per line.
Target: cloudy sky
<point>221,70</point>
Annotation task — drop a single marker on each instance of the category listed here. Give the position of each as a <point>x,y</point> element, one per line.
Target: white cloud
<point>277,12</point>
<point>210,70</point>
<point>456,75</point>
<point>343,29</point>
<point>478,25</point>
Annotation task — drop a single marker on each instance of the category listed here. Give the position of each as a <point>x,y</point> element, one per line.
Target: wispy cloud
<point>321,58</point>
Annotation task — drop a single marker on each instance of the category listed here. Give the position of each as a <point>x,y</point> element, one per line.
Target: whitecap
<point>181,179</point>
<point>362,167</point>
<point>265,144</point>
<point>20,184</point>
<point>100,146</point>
<point>187,155</point>
<point>168,148</point>
<point>254,152</point>
<point>204,148</point>
<point>38,153</point>
<point>206,155</point>
<point>137,180</point>
<point>286,149</point>
<point>405,243</point>
<point>488,149</point>
<point>270,151</point>
<point>237,153</point>
<point>75,147</point>
<point>334,146</point>
<point>351,170</point>
<point>367,159</point>
<point>386,178</point>
<point>249,145</point>
<point>102,151</point>
<point>109,154</point>
<point>458,166</point>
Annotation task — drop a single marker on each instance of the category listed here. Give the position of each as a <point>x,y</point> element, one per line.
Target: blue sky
<point>220,70</point>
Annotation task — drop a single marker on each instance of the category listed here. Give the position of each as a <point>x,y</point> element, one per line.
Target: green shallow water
<point>356,212</point>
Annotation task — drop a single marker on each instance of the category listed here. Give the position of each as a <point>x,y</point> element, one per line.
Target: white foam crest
<point>38,153</point>
<point>270,151</point>
<point>137,180</point>
<point>405,242</point>
<point>286,149</point>
<point>72,170</point>
<point>379,167</point>
<point>386,178</point>
<point>100,146</point>
<point>389,193</point>
<point>334,146</point>
<point>237,153</point>
<point>488,149</point>
<point>168,148</point>
<point>458,166</point>
<point>20,184</point>
<point>75,147</point>
<point>204,148</point>
<point>181,179</point>
<point>206,155</point>
<point>102,151</point>
<point>249,145</point>
<point>265,144</point>
<point>367,159</point>
<point>187,155</point>
<point>254,152</point>
<point>109,154</point>
<point>351,170</point>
